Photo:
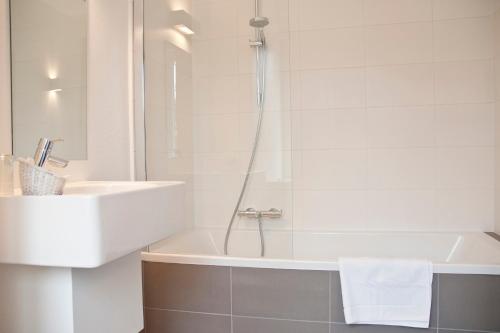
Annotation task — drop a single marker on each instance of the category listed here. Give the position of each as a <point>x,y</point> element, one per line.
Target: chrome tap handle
<point>251,213</point>
<point>58,162</point>
<point>272,213</point>
<point>43,154</point>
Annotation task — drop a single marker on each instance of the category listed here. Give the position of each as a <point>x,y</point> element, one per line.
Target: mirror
<point>48,68</point>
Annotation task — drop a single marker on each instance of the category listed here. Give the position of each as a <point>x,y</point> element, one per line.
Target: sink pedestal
<point>106,299</point>
<point>71,263</point>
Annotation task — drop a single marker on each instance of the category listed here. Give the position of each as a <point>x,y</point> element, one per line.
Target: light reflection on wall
<point>53,100</point>
<point>52,73</point>
<point>179,5</point>
<point>178,39</point>
<point>172,130</point>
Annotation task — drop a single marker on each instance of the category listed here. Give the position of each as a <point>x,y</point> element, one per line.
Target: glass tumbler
<point>6,175</point>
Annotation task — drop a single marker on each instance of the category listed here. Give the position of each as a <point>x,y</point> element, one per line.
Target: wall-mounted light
<point>54,85</point>
<point>183,22</point>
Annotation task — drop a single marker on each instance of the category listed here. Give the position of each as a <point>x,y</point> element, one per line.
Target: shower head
<point>259,22</point>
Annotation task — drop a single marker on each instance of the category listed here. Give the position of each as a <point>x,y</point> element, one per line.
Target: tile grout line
<point>231,296</point>
<point>291,125</point>
<point>434,114</point>
<point>283,319</point>
<point>467,330</point>
<point>143,264</point>
<point>297,320</point>
<point>299,29</point>
<point>435,147</point>
<point>329,301</point>
<point>242,316</point>
<point>438,300</point>
<point>365,90</point>
<point>188,311</point>
<point>340,108</point>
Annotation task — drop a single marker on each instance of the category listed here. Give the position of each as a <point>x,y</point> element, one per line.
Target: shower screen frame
<point>139,121</point>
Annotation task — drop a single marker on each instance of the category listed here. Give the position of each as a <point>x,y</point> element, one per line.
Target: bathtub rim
<point>484,268</point>
<point>297,264</point>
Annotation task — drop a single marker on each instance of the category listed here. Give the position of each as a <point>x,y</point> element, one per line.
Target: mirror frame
<point>6,143</point>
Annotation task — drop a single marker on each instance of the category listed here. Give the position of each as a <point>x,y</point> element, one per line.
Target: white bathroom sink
<point>91,224</point>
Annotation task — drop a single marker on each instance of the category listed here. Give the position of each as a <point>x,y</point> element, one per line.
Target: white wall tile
<point>401,127</point>
<point>392,115</point>
<point>338,88</point>
<point>215,133</point>
<point>401,168</point>
<point>208,60</point>
<point>339,128</point>
<point>465,125</point>
<point>296,130</point>
<point>402,85</point>
<point>272,170</point>
<point>213,210</point>
<point>275,131</point>
<point>465,168</point>
<point>215,164</point>
<point>315,129</point>
<point>215,18</point>
<point>397,11</point>
<point>400,210</point>
<point>334,169</point>
<point>465,210</point>
<point>329,210</point>
<point>449,9</point>
<point>324,49</point>
<point>463,39</point>
<point>464,82</point>
<point>313,89</point>
<point>399,43</point>
<point>327,14</point>
<point>216,94</point>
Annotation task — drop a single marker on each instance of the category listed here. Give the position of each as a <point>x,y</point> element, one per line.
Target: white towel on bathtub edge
<point>393,292</point>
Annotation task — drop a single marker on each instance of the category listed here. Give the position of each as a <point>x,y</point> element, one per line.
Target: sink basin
<point>90,225</point>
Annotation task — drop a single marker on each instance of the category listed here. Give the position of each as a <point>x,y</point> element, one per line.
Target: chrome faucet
<point>43,154</point>
<point>252,213</point>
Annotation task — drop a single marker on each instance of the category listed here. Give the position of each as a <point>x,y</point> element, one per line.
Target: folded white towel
<point>386,291</point>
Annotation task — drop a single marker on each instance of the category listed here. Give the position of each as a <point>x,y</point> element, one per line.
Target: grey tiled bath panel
<point>470,302</point>
<point>337,309</point>
<point>195,298</point>
<point>279,293</point>
<point>164,321</point>
<point>260,325</point>
<point>187,287</point>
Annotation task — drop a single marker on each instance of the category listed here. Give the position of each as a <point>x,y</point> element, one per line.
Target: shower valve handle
<point>255,43</point>
<point>251,213</point>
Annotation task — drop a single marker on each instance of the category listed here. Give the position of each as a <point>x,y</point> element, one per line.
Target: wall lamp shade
<point>54,85</point>
<point>183,22</point>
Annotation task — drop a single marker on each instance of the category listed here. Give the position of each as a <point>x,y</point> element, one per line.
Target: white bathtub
<point>459,253</point>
